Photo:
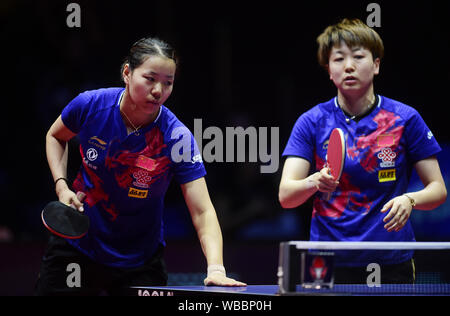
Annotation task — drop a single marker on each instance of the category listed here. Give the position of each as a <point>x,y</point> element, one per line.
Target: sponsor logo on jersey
<point>138,194</point>
<point>142,179</point>
<point>197,158</point>
<point>97,142</point>
<point>387,175</point>
<point>387,157</point>
<point>91,154</point>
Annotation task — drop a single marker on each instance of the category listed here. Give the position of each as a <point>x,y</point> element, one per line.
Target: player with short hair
<point>131,147</point>
<point>385,140</point>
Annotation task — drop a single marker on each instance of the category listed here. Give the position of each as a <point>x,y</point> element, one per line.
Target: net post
<point>286,267</point>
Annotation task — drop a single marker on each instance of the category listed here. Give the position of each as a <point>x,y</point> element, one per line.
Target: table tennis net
<point>391,268</point>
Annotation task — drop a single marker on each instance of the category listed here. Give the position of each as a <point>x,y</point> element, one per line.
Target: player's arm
<point>434,192</point>
<point>208,230</point>
<point>57,154</point>
<point>296,187</point>
<point>431,196</point>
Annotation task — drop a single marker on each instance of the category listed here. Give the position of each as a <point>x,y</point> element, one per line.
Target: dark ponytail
<point>146,47</point>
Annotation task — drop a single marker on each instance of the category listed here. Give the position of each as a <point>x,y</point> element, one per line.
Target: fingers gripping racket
<point>64,221</point>
<point>336,155</point>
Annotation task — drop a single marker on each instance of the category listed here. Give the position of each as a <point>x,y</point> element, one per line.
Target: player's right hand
<point>324,181</point>
<point>69,197</point>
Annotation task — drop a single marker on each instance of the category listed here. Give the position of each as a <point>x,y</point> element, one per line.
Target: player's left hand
<point>219,279</point>
<point>400,210</point>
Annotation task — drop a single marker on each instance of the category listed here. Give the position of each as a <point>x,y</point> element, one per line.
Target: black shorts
<point>402,273</point>
<point>66,271</point>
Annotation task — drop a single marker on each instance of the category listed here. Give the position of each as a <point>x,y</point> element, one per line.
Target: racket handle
<point>81,196</point>
<point>327,196</point>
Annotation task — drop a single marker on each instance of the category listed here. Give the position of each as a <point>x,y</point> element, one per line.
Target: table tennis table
<point>294,267</point>
<point>273,290</point>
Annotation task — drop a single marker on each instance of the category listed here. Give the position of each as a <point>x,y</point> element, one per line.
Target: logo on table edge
<point>154,293</point>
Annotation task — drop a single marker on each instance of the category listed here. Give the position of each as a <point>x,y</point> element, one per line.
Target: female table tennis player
<point>126,141</point>
<point>385,140</point>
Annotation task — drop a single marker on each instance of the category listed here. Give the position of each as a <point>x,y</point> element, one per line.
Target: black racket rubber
<point>64,221</point>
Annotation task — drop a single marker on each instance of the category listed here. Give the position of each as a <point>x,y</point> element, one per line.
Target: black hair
<point>145,47</point>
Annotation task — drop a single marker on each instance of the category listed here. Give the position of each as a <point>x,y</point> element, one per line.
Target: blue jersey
<point>381,150</point>
<point>125,177</point>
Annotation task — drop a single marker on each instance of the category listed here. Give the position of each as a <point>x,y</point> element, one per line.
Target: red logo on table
<point>318,268</point>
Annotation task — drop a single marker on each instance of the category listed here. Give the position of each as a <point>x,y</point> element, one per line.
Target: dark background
<point>243,63</point>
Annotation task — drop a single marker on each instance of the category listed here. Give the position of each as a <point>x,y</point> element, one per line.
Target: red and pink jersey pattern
<point>381,150</point>
<point>125,176</point>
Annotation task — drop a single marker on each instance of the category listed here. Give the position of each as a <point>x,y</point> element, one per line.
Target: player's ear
<point>376,65</point>
<point>126,73</point>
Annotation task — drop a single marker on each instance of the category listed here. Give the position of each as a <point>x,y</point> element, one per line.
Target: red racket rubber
<point>336,155</point>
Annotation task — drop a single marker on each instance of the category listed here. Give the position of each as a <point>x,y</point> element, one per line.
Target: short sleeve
<point>421,142</point>
<point>75,113</point>
<point>301,140</point>
<point>185,156</point>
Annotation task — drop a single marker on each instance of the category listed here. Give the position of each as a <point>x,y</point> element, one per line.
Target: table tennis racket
<point>64,221</point>
<point>336,155</point>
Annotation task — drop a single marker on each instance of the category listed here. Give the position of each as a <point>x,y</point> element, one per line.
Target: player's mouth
<point>350,80</point>
<point>156,103</point>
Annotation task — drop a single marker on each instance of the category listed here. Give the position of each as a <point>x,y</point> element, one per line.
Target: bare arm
<point>431,196</point>
<point>208,229</point>
<point>296,187</point>
<point>434,193</point>
<point>57,154</point>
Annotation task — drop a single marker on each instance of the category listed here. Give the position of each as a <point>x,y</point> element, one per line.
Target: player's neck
<point>133,117</point>
<point>356,104</point>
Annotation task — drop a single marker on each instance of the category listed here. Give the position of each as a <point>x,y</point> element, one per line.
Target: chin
<point>351,88</point>
<point>150,108</point>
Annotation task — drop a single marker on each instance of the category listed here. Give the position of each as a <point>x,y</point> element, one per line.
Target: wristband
<point>411,200</point>
<point>213,268</point>
<point>62,178</point>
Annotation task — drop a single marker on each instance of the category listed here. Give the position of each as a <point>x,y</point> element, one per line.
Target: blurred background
<point>243,63</point>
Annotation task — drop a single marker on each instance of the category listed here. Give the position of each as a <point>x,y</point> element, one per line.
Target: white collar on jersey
<point>336,104</point>
<point>348,119</point>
